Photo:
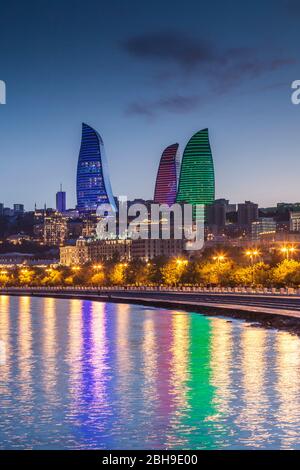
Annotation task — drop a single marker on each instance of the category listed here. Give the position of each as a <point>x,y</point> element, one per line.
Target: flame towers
<point>93,184</point>
<point>167,175</point>
<point>197,179</point>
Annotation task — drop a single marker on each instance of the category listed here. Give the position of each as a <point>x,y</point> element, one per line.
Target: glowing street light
<point>287,250</point>
<point>219,258</point>
<point>97,267</point>
<point>75,268</point>
<point>252,255</point>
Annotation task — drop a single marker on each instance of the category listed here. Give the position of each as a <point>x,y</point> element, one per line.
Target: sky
<point>146,75</point>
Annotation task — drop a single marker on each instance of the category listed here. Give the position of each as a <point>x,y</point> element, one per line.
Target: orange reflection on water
<point>179,376</point>
<point>288,387</point>
<point>25,348</point>
<point>256,403</point>
<point>49,347</point>
<point>221,362</point>
<point>4,337</point>
<point>180,357</point>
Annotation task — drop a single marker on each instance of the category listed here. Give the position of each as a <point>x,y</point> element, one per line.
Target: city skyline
<point>145,86</point>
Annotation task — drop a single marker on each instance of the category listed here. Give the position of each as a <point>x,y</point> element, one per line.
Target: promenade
<point>275,306</point>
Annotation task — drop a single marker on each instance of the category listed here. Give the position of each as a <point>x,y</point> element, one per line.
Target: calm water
<point>80,374</point>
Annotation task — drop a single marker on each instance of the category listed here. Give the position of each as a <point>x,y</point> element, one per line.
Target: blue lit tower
<point>93,184</point>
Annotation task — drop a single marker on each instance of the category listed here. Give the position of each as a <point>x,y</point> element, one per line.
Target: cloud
<point>222,68</point>
<point>174,103</point>
<point>169,47</point>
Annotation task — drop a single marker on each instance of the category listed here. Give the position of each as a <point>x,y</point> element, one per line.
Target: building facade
<point>264,227</point>
<point>197,177</point>
<point>93,251</point>
<point>295,221</point>
<point>167,177</point>
<point>93,184</point>
<point>147,249</point>
<point>247,213</point>
<point>61,201</point>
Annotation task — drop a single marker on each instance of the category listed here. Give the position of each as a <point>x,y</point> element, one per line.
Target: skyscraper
<point>93,184</point>
<point>61,200</point>
<point>167,176</point>
<point>197,179</point>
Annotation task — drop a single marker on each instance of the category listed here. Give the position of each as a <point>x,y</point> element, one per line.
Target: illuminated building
<point>166,180</point>
<point>146,249</point>
<point>93,184</point>
<point>197,178</point>
<point>87,250</point>
<point>264,227</point>
<point>295,221</point>
<point>61,201</point>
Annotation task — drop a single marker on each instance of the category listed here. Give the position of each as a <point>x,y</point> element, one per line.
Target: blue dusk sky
<point>147,75</point>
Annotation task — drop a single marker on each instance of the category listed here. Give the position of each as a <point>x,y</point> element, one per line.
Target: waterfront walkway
<point>283,302</point>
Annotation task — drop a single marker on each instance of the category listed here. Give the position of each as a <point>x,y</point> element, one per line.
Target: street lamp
<point>219,258</point>
<point>252,255</point>
<point>287,250</point>
<point>97,267</point>
<point>75,268</point>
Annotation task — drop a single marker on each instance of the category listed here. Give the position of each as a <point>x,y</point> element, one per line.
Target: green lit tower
<point>197,176</point>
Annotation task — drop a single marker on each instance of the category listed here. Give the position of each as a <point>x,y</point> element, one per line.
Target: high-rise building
<point>18,209</point>
<point>295,221</point>
<point>93,184</point>
<point>263,227</point>
<point>167,177</point>
<point>247,213</point>
<point>197,178</point>
<point>61,200</point>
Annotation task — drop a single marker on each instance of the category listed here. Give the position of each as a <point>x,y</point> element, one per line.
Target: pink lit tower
<point>167,177</point>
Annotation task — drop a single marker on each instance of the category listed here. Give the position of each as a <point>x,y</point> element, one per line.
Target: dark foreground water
<point>79,374</point>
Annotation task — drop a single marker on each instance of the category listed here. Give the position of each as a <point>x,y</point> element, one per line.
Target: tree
<point>173,271</point>
<point>26,276</point>
<point>118,274</point>
<point>53,277</point>
<point>215,273</point>
<point>97,279</point>
<point>286,273</point>
<point>258,274</point>
<point>5,278</point>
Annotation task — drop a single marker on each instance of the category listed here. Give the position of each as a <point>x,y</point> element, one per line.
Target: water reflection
<point>82,374</point>
<point>288,388</point>
<point>4,337</point>
<point>24,351</point>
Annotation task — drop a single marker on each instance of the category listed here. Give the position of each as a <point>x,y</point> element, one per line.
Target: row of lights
<point>219,258</point>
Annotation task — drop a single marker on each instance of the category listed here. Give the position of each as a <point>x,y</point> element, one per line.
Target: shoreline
<point>262,317</point>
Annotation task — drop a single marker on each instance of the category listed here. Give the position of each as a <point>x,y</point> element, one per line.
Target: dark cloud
<point>168,47</point>
<point>222,68</point>
<point>175,103</point>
